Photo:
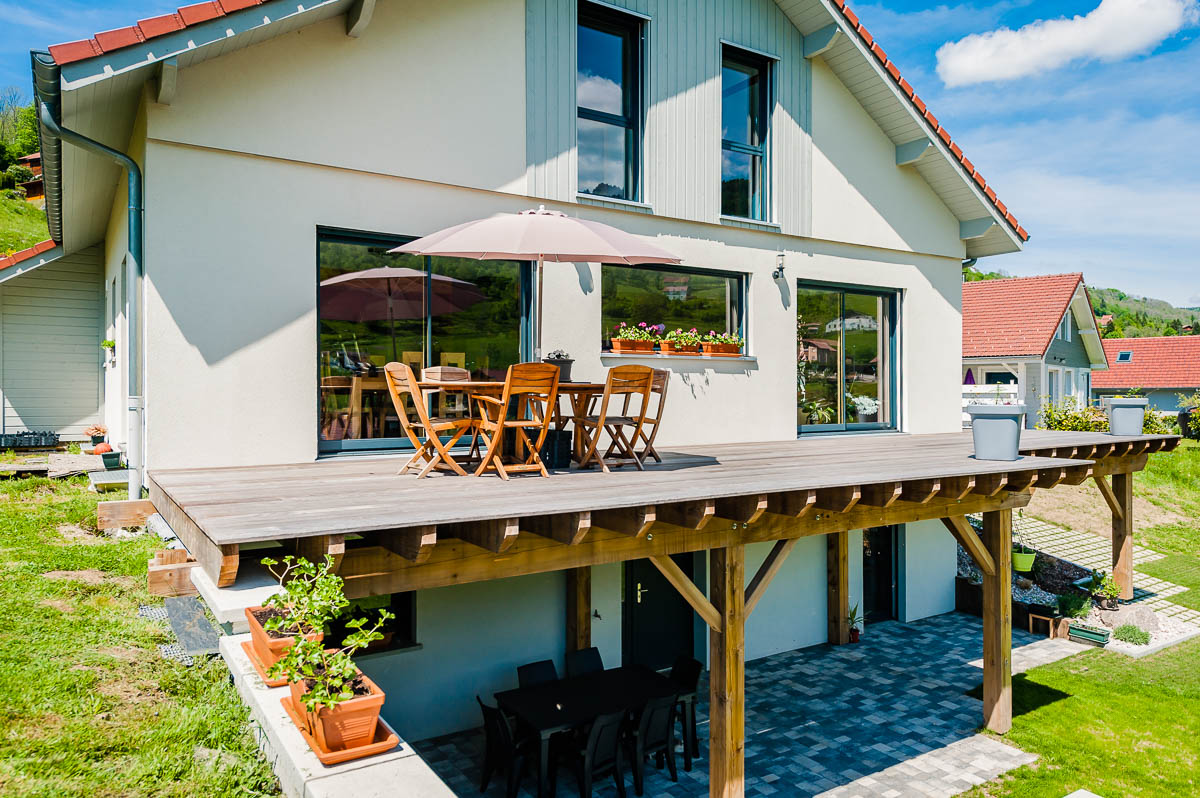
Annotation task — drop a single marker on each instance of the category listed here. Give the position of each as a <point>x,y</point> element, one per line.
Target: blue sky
<point>1084,116</point>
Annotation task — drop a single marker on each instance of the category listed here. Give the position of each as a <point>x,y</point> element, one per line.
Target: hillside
<point>1138,317</point>
<point>22,224</point>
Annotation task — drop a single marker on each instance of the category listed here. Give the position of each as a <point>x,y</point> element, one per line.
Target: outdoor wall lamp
<point>778,273</point>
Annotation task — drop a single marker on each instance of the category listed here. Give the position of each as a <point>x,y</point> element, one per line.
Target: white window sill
<point>689,358</point>
<point>755,224</point>
<point>613,202</point>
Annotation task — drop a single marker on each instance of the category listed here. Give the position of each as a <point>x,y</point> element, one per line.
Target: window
<point>1124,357</point>
<point>373,308</point>
<point>1000,378</point>
<point>607,88</point>
<point>1064,328</point>
<point>845,358</point>
<point>398,633</point>
<point>745,92</point>
<point>675,297</point>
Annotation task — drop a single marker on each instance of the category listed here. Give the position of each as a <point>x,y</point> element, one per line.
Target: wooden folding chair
<point>649,430</point>
<point>535,387</point>
<point>625,382</point>
<point>431,453</point>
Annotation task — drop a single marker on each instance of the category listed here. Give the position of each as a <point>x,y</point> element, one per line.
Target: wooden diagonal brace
<point>766,571</point>
<point>965,535</point>
<point>568,528</point>
<point>497,535</point>
<point>689,515</point>
<point>414,543</point>
<point>1110,498</point>
<point>742,509</point>
<point>632,521</point>
<point>687,588</point>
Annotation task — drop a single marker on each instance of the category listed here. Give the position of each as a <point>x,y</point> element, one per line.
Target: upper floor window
<point>745,91</point>
<point>607,88</point>
<point>1064,328</point>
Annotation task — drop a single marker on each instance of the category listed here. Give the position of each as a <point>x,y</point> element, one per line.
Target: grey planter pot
<point>996,430</point>
<point>1125,416</point>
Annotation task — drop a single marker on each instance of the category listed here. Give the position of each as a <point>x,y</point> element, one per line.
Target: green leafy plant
<point>639,332</point>
<point>108,344</point>
<point>1074,605</point>
<point>683,337</point>
<point>1155,424</point>
<point>1129,633</point>
<point>854,619</point>
<point>715,337</point>
<point>1019,544</point>
<point>1069,416</point>
<point>1104,586</point>
<point>819,412</point>
<point>311,595</point>
<point>329,674</point>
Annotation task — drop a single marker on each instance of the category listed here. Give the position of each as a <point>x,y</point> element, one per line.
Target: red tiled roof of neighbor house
<point>1016,317</point>
<point>1169,362</point>
<point>186,16</point>
<point>26,254</point>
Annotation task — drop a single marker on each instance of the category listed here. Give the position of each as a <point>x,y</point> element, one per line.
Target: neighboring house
<point>820,186</point>
<point>1035,333</point>
<point>34,188</point>
<point>1162,368</point>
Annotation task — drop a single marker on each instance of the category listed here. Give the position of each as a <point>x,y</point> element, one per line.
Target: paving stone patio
<point>886,717</point>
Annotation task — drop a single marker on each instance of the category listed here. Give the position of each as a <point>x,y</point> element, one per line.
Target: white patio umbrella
<point>539,235</point>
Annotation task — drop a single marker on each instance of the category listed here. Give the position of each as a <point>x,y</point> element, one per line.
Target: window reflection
<point>676,298</point>
<point>744,98</point>
<point>602,159</point>
<point>607,76</point>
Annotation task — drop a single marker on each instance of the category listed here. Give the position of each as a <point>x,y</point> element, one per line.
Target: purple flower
<point>641,324</point>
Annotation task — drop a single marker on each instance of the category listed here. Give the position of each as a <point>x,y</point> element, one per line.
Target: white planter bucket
<point>996,430</point>
<point>1125,415</point>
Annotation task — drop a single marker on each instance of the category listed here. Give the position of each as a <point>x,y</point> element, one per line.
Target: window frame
<point>632,27</point>
<point>1125,356</point>
<point>738,300</point>
<point>765,64</point>
<point>365,237</point>
<point>895,302</point>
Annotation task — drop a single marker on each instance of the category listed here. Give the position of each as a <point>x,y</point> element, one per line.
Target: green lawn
<point>1172,480</point>
<point>87,706</point>
<point>1107,723</point>
<point>22,225</point>
<point>1183,570</point>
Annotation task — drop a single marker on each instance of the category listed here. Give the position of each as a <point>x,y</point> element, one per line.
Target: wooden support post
<point>688,589</point>
<point>997,623</point>
<point>837,564</point>
<point>414,543</point>
<point>316,548</point>
<point>632,521</point>
<point>579,608</point>
<point>727,675</point>
<point>766,572</point>
<point>1122,534</point>
<point>689,515</point>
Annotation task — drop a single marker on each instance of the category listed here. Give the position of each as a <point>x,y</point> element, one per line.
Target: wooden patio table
<point>580,393</point>
<point>562,705</point>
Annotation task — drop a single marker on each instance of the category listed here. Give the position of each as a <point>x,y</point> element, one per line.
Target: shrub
<point>1129,633</point>
<point>20,173</point>
<point>1068,416</point>
<point>1074,605</point>
<point>1155,424</point>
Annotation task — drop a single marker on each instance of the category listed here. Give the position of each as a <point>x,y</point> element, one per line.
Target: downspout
<point>133,274</point>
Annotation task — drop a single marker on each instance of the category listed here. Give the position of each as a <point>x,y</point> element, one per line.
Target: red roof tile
<point>26,254</point>
<point>1168,362</point>
<point>1016,317</point>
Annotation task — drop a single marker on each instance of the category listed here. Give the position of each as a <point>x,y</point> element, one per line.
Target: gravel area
<point>1169,632</point>
<point>1030,595</point>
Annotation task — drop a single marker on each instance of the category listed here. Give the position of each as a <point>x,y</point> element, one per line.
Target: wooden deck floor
<point>358,495</point>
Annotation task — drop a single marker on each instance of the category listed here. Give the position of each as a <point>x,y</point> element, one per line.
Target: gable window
<point>1124,357</point>
<point>1064,329</point>
<point>673,296</point>
<point>608,96</point>
<point>745,92</point>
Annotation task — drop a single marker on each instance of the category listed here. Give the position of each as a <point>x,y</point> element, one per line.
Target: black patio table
<point>559,706</point>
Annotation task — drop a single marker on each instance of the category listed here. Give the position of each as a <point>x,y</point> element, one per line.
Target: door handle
<point>640,591</point>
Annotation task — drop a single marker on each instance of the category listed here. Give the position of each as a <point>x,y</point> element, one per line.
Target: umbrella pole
<point>537,329</point>
<point>392,322</point>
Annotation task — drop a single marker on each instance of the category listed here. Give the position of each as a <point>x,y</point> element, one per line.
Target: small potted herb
<point>1105,591</point>
<point>866,408</point>
<point>311,596</point>
<point>1127,413</point>
<point>681,342</point>
<point>96,432</point>
<point>640,338</point>
<point>723,344</point>
<point>855,622</point>
<point>563,360</point>
<point>996,429</point>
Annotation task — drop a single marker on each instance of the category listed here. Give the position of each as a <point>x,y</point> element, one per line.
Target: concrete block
<point>254,585</point>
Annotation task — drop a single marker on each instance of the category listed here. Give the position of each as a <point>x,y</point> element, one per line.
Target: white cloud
<point>1113,30</point>
<point>598,93</point>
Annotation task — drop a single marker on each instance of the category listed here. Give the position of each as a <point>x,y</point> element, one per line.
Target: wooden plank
<point>316,549</point>
<point>840,499</point>
<point>727,675</point>
<point>792,503</point>
<point>997,623</point>
<point>632,521</point>
<point>1120,465</point>
<point>964,533</point>
<point>171,578</point>
<point>692,594</point>
<point>567,528</point>
<point>837,571</point>
<point>496,535</point>
<point>1122,534</point>
<point>219,561</point>
<point>956,488</point>
<point>579,608</point>
<point>689,515</point>
<point>414,543</point>
<point>881,494</point>
<point>990,484</point>
<point>130,512</point>
<point>921,490</point>
<point>1110,498</point>
<point>766,572</point>
<point>742,509</point>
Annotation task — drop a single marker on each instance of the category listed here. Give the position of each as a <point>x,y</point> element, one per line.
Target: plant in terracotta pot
<point>681,342</point>
<point>96,432</point>
<point>635,338</point>
<point>1105,591</point>
<point>723,344</point>
<point>310,596</point>
<point>855,622</point>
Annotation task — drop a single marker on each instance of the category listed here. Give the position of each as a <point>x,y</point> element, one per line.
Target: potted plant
<point>855,622</point>
<point>1023,554</point>
<point>866,407</point>
<point>1085,633</point>
<point>815,411</point>
<point>724,344</point>
<point>110,349</point>
<point>996,429</point>
<point>640,338</point>
<point>561,359</point>
<point>1127,413</point>
<point>1105,591</point>
<point>310,596</point>
<point>110,456</point>
<point>681,341</point>
<point>96,432</point>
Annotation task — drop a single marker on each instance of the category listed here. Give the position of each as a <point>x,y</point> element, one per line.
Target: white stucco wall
<point>928,562</point>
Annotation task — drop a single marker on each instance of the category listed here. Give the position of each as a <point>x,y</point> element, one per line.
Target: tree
<point>26,140</point>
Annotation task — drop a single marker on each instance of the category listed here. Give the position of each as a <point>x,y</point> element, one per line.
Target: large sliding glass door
<point>374,308</point>
<point>846,377</point>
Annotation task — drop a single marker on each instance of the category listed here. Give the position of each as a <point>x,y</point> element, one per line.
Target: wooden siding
<point>51,323</point>
<point>681,157</point>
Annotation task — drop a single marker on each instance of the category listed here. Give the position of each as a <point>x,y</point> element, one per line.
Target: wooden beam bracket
<point>964,533</point>
<point>566,528</point>
<point>496,535</point>
<point>688,589</point>
<point>766,572</point>
<point>793,503</point>
<point>414,543</point>
<point>689,515</point>
<point>632,521</point>
<point>742,509</point>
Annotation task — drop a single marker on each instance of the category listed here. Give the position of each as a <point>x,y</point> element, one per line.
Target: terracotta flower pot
<point>854,634</point>
<point>351,724</point>
<point>721,350</point>
<point>267,648</point>
<point>673,348</point>
<point>620,345</point>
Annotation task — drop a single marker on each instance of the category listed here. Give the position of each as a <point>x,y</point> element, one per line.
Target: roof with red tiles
<point>1167,362</point>
<point>1016,317</point>
<point>26,254</point>
<point>186,16</point>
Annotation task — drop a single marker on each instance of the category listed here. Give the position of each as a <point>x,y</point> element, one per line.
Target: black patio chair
<point>503,753</point>
<point>532,674</point>
<point>653,733</point>
<point>586,660</point>
<point>597,754</point>
<point>686,675</point>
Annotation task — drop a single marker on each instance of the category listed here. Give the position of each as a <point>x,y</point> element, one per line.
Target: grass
<point>1172,481</point>
<point>22,224</point>
<point>1181,569</point>
<point>1107,723</point>
<point>87,706</point>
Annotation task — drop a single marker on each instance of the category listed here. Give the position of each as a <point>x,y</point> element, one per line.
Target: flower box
<point>265,650</point>
<point>721,350</point>
<point>621,346</point>
<point>673,348</point>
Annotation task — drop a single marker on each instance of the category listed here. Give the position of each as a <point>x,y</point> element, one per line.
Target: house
<point>773,146</point>
<point>1038,334</point>
<point>33,188</point>
<point>1162,368</point>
